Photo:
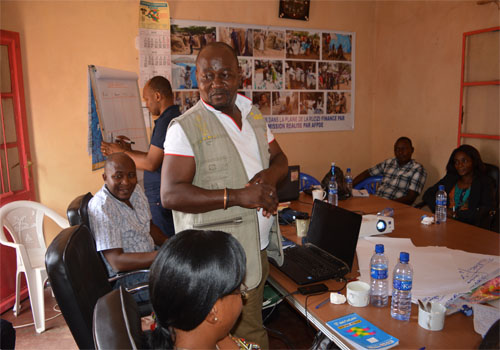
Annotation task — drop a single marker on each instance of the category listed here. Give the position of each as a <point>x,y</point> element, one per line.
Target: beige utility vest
<point>219,165</point>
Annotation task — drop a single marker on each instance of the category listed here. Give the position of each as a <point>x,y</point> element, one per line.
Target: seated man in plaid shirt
<point>402,177</point>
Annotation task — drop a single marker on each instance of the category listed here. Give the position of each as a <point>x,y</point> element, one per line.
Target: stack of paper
<point>440,274</point>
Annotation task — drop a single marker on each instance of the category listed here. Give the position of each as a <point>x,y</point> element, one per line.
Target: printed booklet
<point>362,334</point>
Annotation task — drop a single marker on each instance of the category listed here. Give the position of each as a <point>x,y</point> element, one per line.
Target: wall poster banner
<point>302,80</point>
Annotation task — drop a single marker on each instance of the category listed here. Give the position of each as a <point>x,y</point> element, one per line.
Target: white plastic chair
<point>24,221</point>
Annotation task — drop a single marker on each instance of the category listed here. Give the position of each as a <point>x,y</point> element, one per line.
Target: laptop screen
<point>335,230</point>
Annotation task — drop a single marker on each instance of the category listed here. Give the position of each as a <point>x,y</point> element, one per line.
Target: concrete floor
<point>56,335</point>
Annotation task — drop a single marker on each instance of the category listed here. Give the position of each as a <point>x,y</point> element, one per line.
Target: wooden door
<point>16,182</point>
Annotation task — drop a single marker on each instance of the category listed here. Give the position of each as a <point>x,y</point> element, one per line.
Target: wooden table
<point>458,332</point>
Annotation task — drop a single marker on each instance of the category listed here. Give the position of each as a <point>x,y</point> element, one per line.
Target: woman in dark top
<point>468,187</point>
<point>196,290</point>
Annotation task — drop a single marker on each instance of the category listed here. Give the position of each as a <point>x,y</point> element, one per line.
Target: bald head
<point>161,85</point>
<point>220,47</point>
<point>157,94</point>
<point>118,158</point>
<point>218,76</point>
<point>120,176</point>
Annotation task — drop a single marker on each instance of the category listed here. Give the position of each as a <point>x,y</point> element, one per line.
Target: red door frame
<point>16,93</point>
<point>464,84</point>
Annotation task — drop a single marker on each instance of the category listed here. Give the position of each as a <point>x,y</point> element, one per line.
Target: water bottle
<point>378,273</point>
<point>348,181</point>
<point>333,197</point>
<point>401,288</point>
<point>441,202</point>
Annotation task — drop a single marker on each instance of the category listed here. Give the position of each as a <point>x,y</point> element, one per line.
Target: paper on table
<point>475,270</point>
<point>428,281</point>
<point>360,193</point>
<point>435,274</point>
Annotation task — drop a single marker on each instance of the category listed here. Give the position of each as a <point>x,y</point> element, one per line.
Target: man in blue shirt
<point>157,94</point>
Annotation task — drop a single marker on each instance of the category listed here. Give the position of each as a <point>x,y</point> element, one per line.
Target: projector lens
<point>381,226</point>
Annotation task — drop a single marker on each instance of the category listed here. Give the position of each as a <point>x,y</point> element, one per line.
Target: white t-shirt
<point>177,143</point>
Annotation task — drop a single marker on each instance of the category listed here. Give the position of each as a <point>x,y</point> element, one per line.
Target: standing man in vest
<point>157,94</point>
<point>220,171</point>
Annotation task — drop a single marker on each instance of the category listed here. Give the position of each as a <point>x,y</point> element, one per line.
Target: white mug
<point>433,320</point>
<point>318,194</point>
<point>358,293</point>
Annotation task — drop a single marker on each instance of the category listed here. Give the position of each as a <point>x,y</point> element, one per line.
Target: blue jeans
<point>133,281</point>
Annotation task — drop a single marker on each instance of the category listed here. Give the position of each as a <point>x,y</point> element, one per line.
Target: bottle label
<point>401,284</point>
<point>332,191</point>
<point>348,180</point>
<point>378,273</point>
<point>440,202</point>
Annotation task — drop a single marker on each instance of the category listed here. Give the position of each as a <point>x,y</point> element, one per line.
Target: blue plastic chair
<point>307,181</point>
<point>369,184</point>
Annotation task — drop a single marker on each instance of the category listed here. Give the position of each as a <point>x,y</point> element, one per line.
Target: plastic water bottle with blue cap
<point>333,197</point>
<point>441,202</point>
<point>402,280</point>
<point>379,277</point>
<point>348,181</point>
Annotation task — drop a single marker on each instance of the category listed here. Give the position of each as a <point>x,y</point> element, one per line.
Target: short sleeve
<point>159,132</point>
<point>270,136</point>
<point>176,142</point>
<point>377,169</point>
<point>417,180</point>
<point>103,226</point>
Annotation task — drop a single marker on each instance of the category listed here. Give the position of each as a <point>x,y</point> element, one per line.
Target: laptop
<point>288,189</point>
<point>330,249</point>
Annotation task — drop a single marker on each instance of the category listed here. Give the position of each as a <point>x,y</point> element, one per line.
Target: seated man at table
<point>120,221</point>
<point>402,177</point>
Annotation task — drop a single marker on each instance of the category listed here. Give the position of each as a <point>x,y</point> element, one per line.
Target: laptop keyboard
<point>317,262</point>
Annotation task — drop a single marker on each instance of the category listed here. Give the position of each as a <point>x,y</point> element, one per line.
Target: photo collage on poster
<point>301,80</point>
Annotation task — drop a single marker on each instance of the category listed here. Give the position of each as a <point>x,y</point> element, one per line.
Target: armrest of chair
<point>4,241</point>
<point>121,275</point>
<point>145,307</point>
<point>136,288</point>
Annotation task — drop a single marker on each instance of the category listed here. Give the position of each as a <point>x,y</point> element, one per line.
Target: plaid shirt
<point>396,180</point>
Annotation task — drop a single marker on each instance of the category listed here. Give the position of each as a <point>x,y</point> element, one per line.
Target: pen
<point>322,303</point>
<point>125,141</point>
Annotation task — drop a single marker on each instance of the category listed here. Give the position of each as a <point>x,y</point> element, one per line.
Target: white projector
<point>376,225</point>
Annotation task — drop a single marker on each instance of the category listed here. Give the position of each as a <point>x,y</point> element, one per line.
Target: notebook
<point>330,249</point>
<point>288,189</point>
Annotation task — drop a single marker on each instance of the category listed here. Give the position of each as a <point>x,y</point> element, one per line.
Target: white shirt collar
<point>243,103</point>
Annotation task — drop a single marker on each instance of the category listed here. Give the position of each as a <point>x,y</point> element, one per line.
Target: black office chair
<point>117,322</point>
<point>494,213</point>
<point>77,213</point>
<point>79,278</point>
<point>493,172</point>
